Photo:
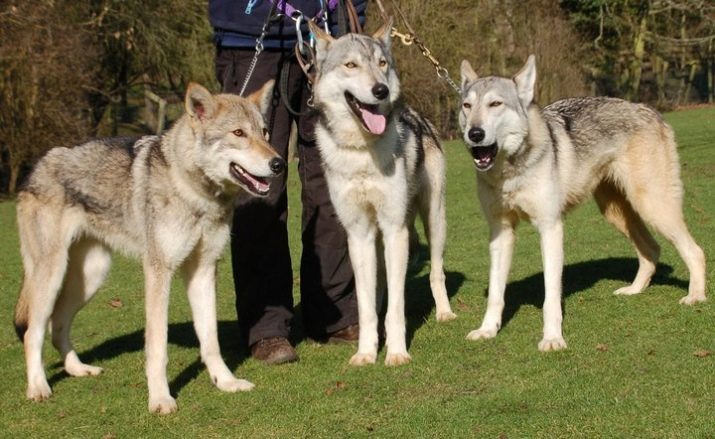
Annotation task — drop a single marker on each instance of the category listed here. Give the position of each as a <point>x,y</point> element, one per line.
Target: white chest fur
<point>367,178</point>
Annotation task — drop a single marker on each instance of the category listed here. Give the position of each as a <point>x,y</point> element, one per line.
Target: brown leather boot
<point>274,350</point>
<point>349,334</point>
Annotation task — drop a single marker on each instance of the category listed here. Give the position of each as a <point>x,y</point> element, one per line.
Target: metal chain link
<point>259,49</point>
<point>410,38</point>
<point>442,71</point>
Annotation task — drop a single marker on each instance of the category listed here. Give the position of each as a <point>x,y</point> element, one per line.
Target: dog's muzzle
<point>370,117</point>
<point>257,186</point>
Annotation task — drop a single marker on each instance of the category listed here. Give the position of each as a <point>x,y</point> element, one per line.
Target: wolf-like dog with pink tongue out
<point>384,165</point>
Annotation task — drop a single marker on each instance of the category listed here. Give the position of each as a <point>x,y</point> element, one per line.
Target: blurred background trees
<point>44,58</point>
<point>73,69</point>
<point>657,51</point>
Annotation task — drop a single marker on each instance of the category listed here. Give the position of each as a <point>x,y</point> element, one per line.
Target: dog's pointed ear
<point>199,101</point>
<point>384,34</point>
<point>322,41</point>
<point>525,81</point>
<point>468,74</point>
<point>262,97</point>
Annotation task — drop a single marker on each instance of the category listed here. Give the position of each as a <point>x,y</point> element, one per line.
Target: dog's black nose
<point>277,165</point>
<point>476,134</point>
<point>380,91</point>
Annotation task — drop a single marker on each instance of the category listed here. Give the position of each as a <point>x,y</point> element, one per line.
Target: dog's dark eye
<point>350,65</point>
<point>383,63</point>
<point>467,105</point>
<point>265,134</point>
<point>495,104</point>
<point>239,133</point>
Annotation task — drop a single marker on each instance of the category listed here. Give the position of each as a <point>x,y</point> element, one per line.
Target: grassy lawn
<point>636,366</point>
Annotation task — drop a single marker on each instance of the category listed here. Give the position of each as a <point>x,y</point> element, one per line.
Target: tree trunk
<point>709,66</point>
<point>14,175</point>
<point>691,77</point>
<point>636,68</point>
<point>660,68</point>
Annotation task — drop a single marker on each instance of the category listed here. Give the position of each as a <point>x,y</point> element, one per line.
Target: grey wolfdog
<point>537,164</point>
<point>383,164</point>
<point>166,200</point>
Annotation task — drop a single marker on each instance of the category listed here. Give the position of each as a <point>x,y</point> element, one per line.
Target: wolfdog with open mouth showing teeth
<point>537,164</point>
<point>166,200</point>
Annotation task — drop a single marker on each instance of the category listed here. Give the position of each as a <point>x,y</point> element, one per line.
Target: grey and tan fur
<point>166,200</point>
<point>383,165</point>
<point>537,164</point>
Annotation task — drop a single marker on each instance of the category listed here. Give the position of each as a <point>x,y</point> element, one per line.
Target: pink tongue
<point>258,184</point>
<point>375,122</point>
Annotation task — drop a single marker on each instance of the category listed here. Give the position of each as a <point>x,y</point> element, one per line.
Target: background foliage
<point>73,69</point>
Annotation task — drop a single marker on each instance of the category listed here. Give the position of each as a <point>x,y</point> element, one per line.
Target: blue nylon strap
<point>249,6</point>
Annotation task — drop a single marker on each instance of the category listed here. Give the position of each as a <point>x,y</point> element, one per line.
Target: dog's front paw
<point>162,405</point>
<point>482,334</point>
<point>39,392</point>
<point>362,359</point>
<point>234,385</point>
<point>397,359</point>
<point>552,344</point>
<point>446,316</point>
<point>630,290</point>
<point>75,367</point>
<point>692,299</point>
<point>83,370</point>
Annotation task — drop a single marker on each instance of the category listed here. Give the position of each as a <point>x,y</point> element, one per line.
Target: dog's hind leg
<point>659,200</point>
<point>675,230</point>
<point>434,218</point>
<point>619,212</point>
<point>200,276</point>
<point>44,243</point>
<point>661,206</point>
<point>88,264</point>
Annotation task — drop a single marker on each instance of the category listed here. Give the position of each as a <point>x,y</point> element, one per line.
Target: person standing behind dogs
<point>262,271</point>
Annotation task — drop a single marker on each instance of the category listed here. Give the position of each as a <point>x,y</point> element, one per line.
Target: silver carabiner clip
<point>298,33</point>
<point>324,14</point>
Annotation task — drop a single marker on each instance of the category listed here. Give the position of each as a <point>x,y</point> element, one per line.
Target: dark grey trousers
<point>261,260</point>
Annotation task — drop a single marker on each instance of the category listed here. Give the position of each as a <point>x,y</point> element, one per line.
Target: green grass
<point>630,370</point>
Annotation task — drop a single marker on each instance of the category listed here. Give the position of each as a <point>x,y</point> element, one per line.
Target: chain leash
<point>410,38</point>
<point>257,52</point>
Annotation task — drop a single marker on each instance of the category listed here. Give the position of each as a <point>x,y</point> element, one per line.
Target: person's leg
<point>262,272</point>
<point>327,286</point>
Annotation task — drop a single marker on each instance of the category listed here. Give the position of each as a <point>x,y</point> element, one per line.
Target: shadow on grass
<point>577,278</point>
<point>419,302</point>
<point>180,334</point>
